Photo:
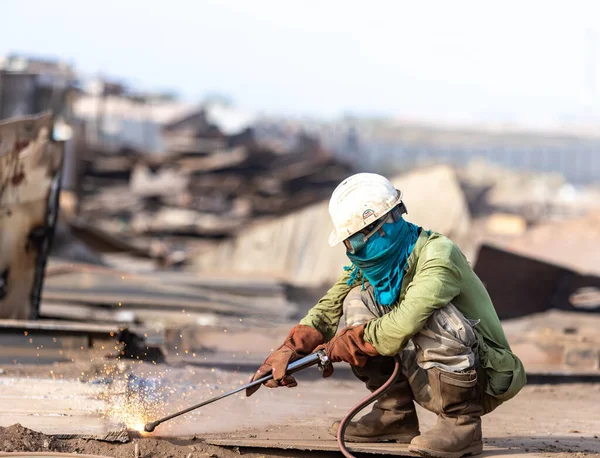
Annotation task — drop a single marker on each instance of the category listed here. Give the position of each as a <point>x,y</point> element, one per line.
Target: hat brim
<point>335,238</point>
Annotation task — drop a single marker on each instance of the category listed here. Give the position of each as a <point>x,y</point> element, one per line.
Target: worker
<point>409,292</point>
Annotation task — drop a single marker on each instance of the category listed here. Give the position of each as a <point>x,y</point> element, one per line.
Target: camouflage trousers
<point>447,341</point>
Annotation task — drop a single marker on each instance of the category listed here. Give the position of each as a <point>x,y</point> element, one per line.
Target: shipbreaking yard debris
<point>60,340</point>
<point>557,346</point>
<point>156,313</point>
<point>533,197</point>
<point>208,185</point>
<point>112,289</point>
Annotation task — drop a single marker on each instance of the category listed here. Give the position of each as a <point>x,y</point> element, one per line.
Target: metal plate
<point>30,163</point>
<point>520,285</point>
<point>314,445</point>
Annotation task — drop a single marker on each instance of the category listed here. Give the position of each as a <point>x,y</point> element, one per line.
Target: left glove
<point>348,346</point>
<point>300,342</point>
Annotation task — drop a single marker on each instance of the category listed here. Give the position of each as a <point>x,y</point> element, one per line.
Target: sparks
<point>134,401</point>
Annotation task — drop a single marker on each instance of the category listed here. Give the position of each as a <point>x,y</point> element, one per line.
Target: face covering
<point>383,259</point>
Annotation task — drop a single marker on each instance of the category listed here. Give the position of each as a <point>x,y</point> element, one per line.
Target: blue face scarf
<point>383,259</point>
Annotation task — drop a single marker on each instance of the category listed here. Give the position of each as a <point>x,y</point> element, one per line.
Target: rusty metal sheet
<point>30,173</point>
<point>520,285</point>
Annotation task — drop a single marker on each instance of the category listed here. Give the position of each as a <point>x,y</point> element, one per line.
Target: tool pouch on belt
<point>300,342</point>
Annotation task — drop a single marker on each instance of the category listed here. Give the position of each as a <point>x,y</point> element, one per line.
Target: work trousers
<point>447,342</point>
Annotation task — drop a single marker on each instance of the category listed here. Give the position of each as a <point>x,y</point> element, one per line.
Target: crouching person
<point>411,292</point>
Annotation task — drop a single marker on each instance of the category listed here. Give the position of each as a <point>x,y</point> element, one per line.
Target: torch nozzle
<point>149,427</point>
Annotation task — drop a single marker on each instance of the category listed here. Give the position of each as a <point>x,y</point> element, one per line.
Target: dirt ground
<point>17,438</point>
<point>545,420</point>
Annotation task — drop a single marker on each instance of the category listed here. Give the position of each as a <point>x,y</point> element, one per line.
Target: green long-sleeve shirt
<point>437,273</point>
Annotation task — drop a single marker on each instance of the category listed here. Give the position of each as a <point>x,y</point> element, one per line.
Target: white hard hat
<point>359,201</point>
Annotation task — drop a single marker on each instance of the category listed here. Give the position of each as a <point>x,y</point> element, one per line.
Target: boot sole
<point>398,438</point>
<point>476,448</point>
<point>385,438</point>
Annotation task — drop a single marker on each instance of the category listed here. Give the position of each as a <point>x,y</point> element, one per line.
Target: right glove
<point>300,342</point>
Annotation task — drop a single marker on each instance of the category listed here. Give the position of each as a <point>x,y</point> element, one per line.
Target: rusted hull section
<point>30,173</point>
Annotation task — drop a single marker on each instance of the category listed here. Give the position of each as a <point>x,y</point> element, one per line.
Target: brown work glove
<point>348,346</point>
<point>300,342</point>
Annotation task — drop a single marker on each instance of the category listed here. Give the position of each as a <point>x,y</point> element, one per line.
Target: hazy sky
<point>507,60</point>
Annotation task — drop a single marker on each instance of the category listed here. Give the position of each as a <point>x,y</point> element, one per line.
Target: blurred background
<point>166,168</point>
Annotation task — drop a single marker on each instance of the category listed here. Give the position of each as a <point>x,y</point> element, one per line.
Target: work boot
<point>393,417</point>
<point>459,404</point>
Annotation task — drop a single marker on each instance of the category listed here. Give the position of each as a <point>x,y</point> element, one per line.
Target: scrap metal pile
<point>137,211</point>
<point>208,184</point>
